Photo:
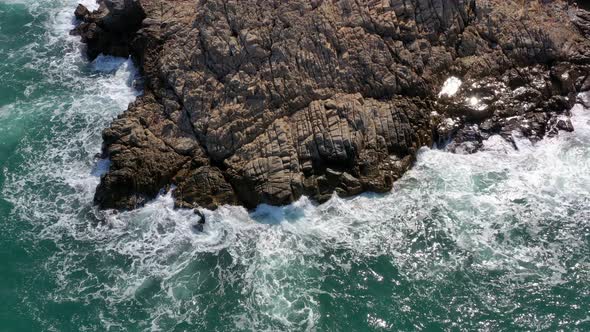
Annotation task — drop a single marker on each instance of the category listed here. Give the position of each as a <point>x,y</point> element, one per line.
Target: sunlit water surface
<point>497,240</point>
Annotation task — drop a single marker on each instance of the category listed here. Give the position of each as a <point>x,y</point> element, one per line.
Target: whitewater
<point>496,240</point>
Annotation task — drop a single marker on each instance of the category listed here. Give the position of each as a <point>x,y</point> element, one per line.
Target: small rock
<point>565,125</point>
<point>81,12</point>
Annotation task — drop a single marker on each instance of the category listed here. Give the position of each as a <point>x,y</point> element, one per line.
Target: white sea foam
<point>79,107</point>
<point>519,215</point>
<point>482,204</point>
<point>278,253</point>
<point>279,246</point>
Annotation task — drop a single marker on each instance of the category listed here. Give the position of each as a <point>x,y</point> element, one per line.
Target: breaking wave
<point>462,242</point>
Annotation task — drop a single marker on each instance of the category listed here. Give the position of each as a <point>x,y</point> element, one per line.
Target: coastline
<point>495,239</point>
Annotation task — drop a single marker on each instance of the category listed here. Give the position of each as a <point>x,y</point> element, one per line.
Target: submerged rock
<point>200,225</point>
<point>251,102</point>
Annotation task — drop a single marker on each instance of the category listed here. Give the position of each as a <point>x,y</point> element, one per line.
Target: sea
<point>498,240</point>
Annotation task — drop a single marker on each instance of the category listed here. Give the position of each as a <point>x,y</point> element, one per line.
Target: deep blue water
<point>497,240</point>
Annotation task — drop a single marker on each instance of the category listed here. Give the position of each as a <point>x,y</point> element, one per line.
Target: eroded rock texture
<point>251,102</point>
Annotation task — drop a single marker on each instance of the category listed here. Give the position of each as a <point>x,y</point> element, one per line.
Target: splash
<point>519,220</point>
<point>465,242</point>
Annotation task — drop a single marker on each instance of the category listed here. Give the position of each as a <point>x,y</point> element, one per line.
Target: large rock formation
<point>250,102</point>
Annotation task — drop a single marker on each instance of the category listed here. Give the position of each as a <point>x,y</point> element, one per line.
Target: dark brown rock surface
<point>251,102</point>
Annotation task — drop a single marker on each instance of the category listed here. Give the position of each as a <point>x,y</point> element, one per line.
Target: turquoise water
<point>498,240</point>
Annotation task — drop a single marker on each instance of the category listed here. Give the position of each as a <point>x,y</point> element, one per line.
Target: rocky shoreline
<point>250,102</point>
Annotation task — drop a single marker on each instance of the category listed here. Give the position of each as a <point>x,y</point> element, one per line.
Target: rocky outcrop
<point>251,102</point>
<point>111,28</point>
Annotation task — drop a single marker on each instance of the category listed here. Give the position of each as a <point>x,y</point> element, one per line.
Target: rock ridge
<point>250,102</point>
